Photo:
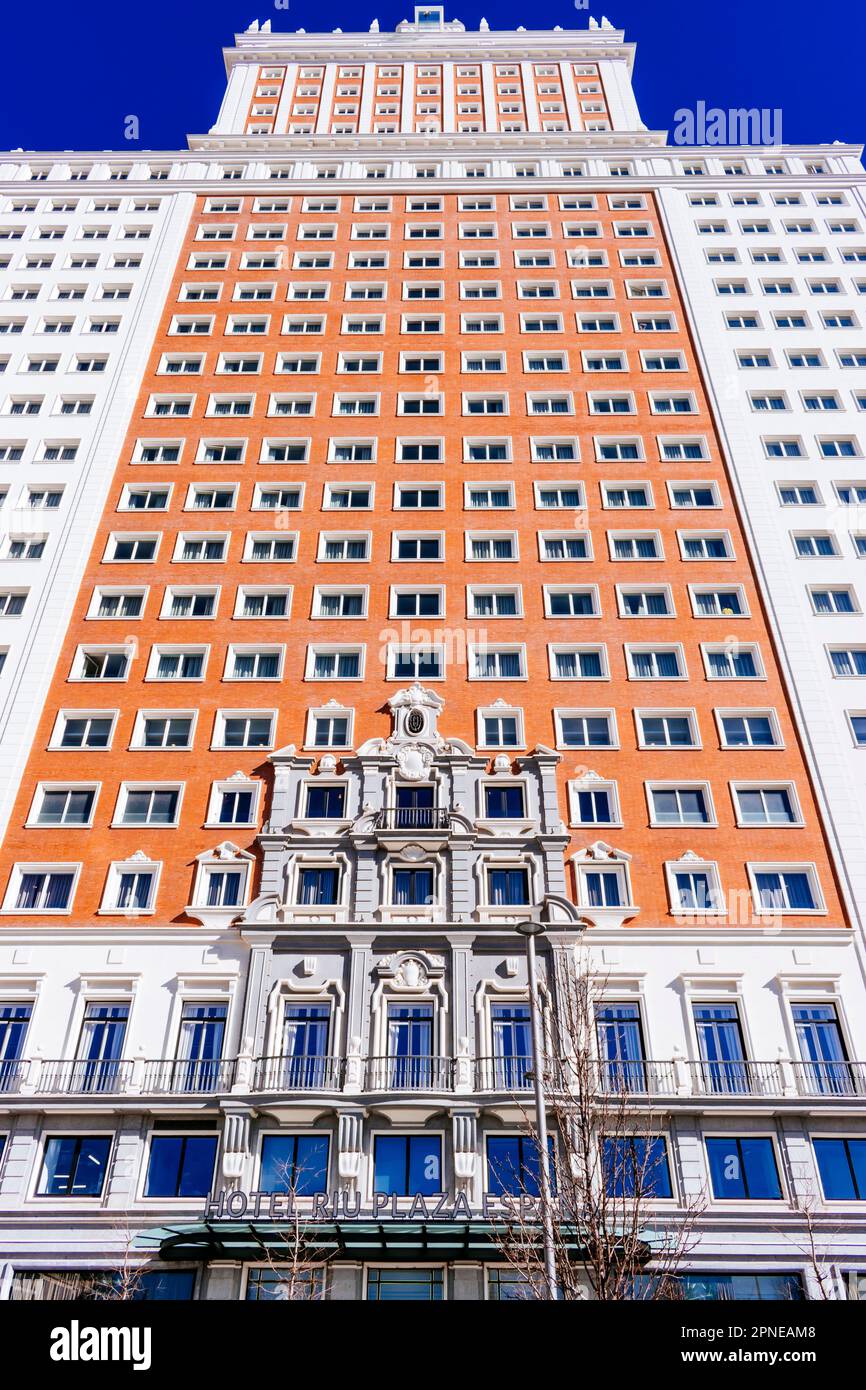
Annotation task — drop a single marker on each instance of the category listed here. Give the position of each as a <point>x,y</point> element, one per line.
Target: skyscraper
<point>473,553</point>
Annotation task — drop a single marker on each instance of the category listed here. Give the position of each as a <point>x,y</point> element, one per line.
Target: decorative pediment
<point>225,851</point>
<point>415,738</point>
<point>600,852</point>
<point>411,972</point>
<point>588,778</point>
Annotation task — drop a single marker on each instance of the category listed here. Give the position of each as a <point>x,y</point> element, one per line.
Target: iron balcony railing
<point>503,1073</point>
<point>298,1074</point>
<point>86,1076</point>
<point>413,818</point>
<point>643,1077</point>
<point>410,1073</point>
<point>737,1078</point>
<point>184,1077</point>
<point>12,1072</point>
<point>830,1078</point>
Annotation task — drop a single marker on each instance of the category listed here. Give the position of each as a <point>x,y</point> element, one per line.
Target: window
<point>507,887</point>
<point>621,1046</point>
<point>732,663</point>
<point>63,805</point>
<point>842,1168</point>
<point>294,1163</point>
<point>743,1169</point>
<point>793,889</point>
<point>765,805</point>
<point>504,802</point>
<point>694,889</point>
<point>500,730</point>
<point>180,1165</point>
<point>585,729</point>
<point>636,1166</point>
<point>748,730</point>
<point>236,730</point>
<point>683,805</point>
<point>148,805</point>
<point>74,1166</point>
<point>513,1166</point>
<point>36,889</point>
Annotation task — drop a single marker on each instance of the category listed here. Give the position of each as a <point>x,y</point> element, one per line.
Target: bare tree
<point>296,1259</point>
<point>608,1163</point>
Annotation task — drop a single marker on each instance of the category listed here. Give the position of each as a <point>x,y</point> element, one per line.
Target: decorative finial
<point>266,27</point>
<point>483,26</point>
<point>374,27</point>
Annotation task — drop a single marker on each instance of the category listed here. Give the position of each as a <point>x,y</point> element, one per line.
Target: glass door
<point>620,1046</point>
<point>512,1046</point>
<point>721,1045</point>
<point>103,1034</point>
<point>14,1021</point>
<point>200,1047</point>
<point>305,1046</point>
<point>822,1050</point>
<point>410,1046</point>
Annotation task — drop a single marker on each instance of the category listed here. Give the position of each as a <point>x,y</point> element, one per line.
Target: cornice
<point>502,45</point>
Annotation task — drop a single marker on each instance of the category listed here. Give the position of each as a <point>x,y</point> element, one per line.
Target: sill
<point>215,916</point>
<point>72,825</point>
<point>125,912</point>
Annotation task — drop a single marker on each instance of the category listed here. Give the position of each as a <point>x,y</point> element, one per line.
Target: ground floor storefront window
<point>395,1282</point>
<point>96,1286</point>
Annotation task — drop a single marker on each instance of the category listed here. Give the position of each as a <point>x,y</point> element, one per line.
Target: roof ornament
<point>605,23</point>
<point>593,23</point>
<point>483,27</point>
<point>253,28</point>
<point>374,27</point>
<point>266,27</point>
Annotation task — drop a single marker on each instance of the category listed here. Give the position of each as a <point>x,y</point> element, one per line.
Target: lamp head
<point>529,928</point>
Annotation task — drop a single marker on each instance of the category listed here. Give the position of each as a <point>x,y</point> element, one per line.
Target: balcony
<point>503,1074</point>
<point>176,1077</point>
<point>738,1078</point>
<point>734,1082</point>
<point>839,1079</point>
<point>401,818</point>
<point>298,1074</point>
<point>409,1074</point>
<point>12,1074</point>
<point>88,1077</point>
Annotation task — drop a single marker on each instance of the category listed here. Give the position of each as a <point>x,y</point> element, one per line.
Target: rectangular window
<point>180,1165</point>
<point>743,1169</point>
<point>294,1163</point>
<point>406,1165</point>
<point>74,1166</point>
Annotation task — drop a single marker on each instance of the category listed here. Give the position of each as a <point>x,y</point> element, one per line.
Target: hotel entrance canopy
<point>338,1240</point>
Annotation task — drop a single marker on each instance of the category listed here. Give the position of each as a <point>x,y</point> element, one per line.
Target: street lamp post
<point>529,930</point>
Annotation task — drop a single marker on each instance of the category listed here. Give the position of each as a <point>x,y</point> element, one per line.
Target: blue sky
<point>162,61</point>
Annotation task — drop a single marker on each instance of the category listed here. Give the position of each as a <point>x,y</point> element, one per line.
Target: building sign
<point>237,1205</point>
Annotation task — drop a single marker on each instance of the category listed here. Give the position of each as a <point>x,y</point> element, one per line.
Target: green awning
<point>342,1240</point>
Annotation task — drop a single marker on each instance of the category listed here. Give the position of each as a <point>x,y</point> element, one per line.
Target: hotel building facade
<point>459,519</point>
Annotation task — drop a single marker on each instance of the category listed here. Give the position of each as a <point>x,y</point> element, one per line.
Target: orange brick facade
<point>536,695</point>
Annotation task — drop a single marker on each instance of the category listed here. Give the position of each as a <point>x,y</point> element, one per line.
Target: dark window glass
<point>74,1166</point>
<point>180,1165</point>
<point>636,1166</point>
<point>296,1163</point>
<point>504,803</point>
<point>842,1165</point>
<point>326,803</point>
<point>396,1282</point>
<point>513,1167</point>
<point>407,1164</point>
<point>743,1169</point>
